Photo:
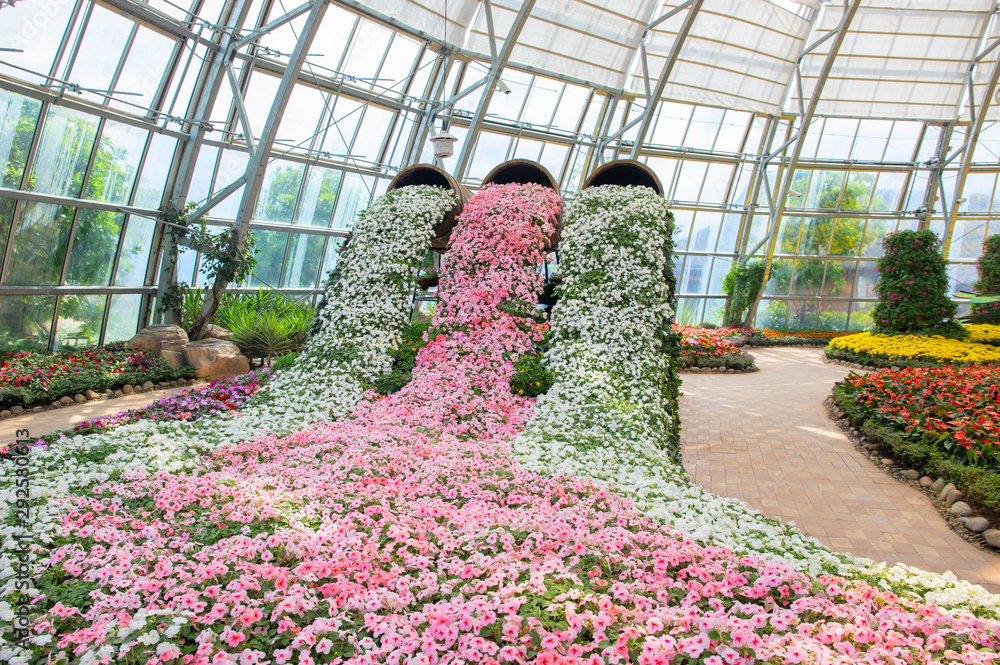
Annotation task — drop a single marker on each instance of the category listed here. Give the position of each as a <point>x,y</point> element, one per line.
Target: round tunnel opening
<point>422,174</point>
<point>624,173</point>
<point>522,172</point>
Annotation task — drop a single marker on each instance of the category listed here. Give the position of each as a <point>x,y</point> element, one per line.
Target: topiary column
<point>913,288</point>
<point>989,274</point>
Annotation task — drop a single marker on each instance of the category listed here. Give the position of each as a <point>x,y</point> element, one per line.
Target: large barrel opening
<point>526,172</point>
<point>624,172</point>
<point>428,174</point>
<point>521,171</point>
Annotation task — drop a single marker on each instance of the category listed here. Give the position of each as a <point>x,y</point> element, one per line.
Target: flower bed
<point>711,347</point>
<point>28,378</point>
<point>942,421</point>
<point>768,337</point>
<point>910,351</point>
<point>984,333</point>
<point>413,531</point>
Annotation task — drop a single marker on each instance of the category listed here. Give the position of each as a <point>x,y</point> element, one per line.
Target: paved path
<point>765,438</point>
<point>53,420</point>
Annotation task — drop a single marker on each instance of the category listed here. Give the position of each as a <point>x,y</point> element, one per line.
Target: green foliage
<point>404,358</point>
<point>912,288</point>
<point>741,287</point>
<point>530,378</point>
<point>988,284</point>
<point>264,324</point>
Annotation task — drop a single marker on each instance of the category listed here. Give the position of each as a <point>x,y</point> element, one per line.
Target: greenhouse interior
<point>435,332</point>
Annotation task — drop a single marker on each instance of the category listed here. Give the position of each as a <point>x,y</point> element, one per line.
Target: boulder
<point>911,474</point>
<point>926,481</point>
<point>17,409</point>
<point>216,332</point>
<point>174,357</point>
<point>962,509</point>
<point>126,389</point>
<point>79,399</point>
<point>65,399</point>
<point>977,524</point>
<point>155,338</point>
<point>147,385</point>
<point>992,537</point>
<point>6,413</point>
<point>937,485</point>
<point>944,490</point>
<point>90,394</point>
<point>215,358</point>
<point>953,496</point>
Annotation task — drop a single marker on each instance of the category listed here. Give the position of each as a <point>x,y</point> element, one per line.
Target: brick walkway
<point>53,420</point>
<point>765,438</point>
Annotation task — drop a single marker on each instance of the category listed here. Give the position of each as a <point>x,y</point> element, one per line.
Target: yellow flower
<point>520,392</point>
<point>918,347</point>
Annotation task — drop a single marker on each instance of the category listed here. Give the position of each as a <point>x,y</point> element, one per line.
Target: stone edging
<point>93,396</point>
<point>945,497</point>
<point>717,370</point>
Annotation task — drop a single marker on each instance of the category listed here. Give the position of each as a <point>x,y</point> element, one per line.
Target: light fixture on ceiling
<point>444,144</point>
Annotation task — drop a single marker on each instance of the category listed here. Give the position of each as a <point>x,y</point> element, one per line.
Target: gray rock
<point>215,358</point>
<point>961,508</point>
<point>944,490</point>
<point>911,474</point>
<point>926,481</point>
<point>977,524</point>
<point>147,385</point>
<point>870,446</point>
<point>56,404</point>
<point>119,393</point>
<point>65,399</point>
<point>992,537</point>
<point>937,485</point>
<point>154,339</point>
<point>79,399</point>
<point>126,389</point>
<point>90,394</point>
<point>953,496</point>
<point>887,461</point>
<point>5,413</point>
<point>16,409</point>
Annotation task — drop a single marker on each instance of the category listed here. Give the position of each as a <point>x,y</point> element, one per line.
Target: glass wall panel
<point>304,258</point>
<point>279,192</point>
<point>367,51</point>
<point>832,316</point>
<point>553,157</point>
<point>204,170</point>
<point>978,192</point>
<point>807,277</point>
<point>333,246</point>
<point>967,238</point>
<point>94,245</point>
<point>491,150</point>
<point>824,190</point>
<point>371,134</point>
<point>861,316</point>
<point>80,320</point>
<point>355,193</point>
<point>25,321</point>
<point>232,166</point>
<point>145,66</point>
<point>63,152</point>
<point>40,240</point>
<point>154,171</point>
<point>123,317</point>
<point>873,136</point>
<point>34,30</point>
<point>298,124</point>
<point>838,282</point>
<point>270,256</point>
<point>117,161</point>
<point>100,51</point>
<point>18,119</point>
<point>137,244</point>
<point>6,216</point>
<point>319,197</point>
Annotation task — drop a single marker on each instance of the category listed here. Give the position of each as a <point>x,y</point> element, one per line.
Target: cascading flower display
<point>366,308</point>
<point>408,532</point>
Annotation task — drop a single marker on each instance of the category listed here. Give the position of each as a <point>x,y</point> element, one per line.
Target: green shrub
<point>913,288</point>
<point>988,267</point>
<point>741,286</point>
<point>530,378</point>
